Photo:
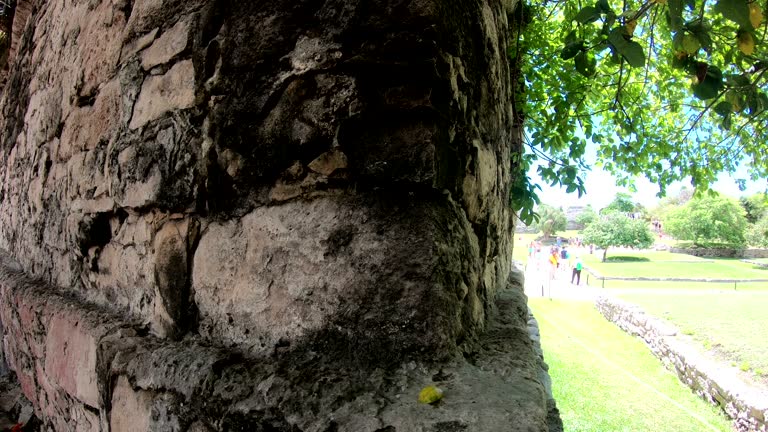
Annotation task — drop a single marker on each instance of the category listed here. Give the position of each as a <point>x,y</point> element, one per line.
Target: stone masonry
<point>745,404</point>
<point>286,216</point>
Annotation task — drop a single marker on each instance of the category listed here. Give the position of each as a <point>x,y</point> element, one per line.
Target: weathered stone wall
<point>249,172</point>
<point>746,405</point>
<point>87,369</point>
<point>302,183</point>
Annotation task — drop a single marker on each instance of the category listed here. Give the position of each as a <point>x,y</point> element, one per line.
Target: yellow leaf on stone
<point>746,43</point>
<point>430,395</point>
<point>755,14</point>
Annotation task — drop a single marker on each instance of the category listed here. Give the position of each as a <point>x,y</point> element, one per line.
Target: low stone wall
<point>757,263</point>
<point>747,406</point>
<point>723,253</point>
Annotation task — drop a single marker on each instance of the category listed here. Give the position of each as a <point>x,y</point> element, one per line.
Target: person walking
<point>553,263</point>
<point>577,271</point>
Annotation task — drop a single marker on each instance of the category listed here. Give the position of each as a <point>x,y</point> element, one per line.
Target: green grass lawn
<point>665,264</point>
<point>607,381</point>
<point>672,285</point>
<point>732,325</point>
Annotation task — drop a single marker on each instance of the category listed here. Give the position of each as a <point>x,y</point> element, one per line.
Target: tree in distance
<point>622,203</point>
<point>757,233</point>
<point>551,220</point>
<point>586,217</point>
<point>706,220</point>
<point>617,229</point>
<point>755,206</point>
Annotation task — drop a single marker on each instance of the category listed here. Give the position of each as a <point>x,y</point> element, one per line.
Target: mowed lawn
<point>607,381</point>
<point>669,265</point>
<point>731,325</point>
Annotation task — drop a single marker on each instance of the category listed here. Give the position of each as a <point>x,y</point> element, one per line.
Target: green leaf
<point>630,50</point>
<point>710,86</point>
<point>675,14</point>
<point>589,14</point>
<point>727,122</point>
<point>610,20</point>
<point>571,49</point>
<point>603,6</point>
<point>690,44</point>
<point>634,54</point>
<point>723,108</point>
<point>763,98</point>
<point>753,103</point>
<point>585,64</point>
<point>736,11</point>
<point>738,80</point>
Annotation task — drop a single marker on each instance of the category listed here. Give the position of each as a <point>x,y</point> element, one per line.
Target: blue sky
<point>601,189</point>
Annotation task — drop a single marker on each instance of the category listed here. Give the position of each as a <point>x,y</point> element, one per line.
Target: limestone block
<point>163,93</point>
<point>43,115</point>
<point>131,408</point>
<point>283,272</point>
<point>142,13</point>
<point>138,44</point>
<point>171,43</point>
<point>100,43</point>
<point>124,276</point>
<point>71,356</point>
<point>61,410</point>
<point>172,276</point>
<point>328,162</point>
<point>85,128</point>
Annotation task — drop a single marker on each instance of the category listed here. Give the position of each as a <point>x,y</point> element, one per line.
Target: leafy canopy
<point>617,229</point>
<point>667,89</point>
<point>757,233</point>
<point>551,220</point>
<point>586,217</point>
<point>708,219</point>
<point>622,203</point>
<point>755,206</point>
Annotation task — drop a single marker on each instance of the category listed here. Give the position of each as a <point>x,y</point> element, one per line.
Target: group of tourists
<point>558,261</point>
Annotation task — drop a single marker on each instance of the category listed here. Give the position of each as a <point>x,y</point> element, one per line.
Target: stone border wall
<point>757,263</point>
<point>723,253</point>
<point>718,385</point>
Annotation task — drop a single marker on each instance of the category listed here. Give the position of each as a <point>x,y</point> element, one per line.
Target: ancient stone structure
<point>571,213</point>
<point>283,216</point>
<point>745,404</point>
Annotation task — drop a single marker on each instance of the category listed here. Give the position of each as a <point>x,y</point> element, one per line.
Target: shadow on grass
<point>621,259</point>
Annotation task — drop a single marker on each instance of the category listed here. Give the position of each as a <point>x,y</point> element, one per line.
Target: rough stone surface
<point>161,94</point>
<point>145,383</point>
<point>300,195</point>
<point>745,404</point>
